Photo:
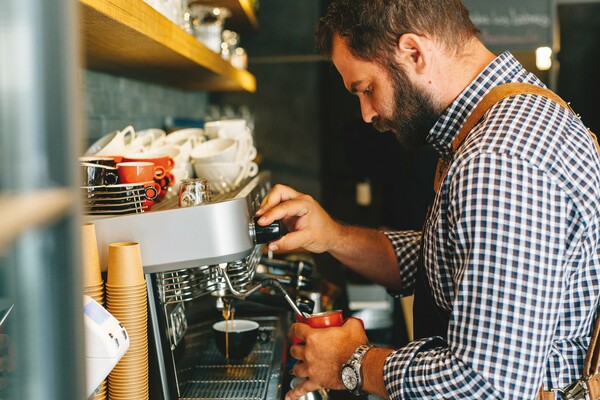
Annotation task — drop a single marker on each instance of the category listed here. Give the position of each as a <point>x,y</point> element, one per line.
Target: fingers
<point>291,241</point>
<point>297,351</point>
<point>301,390</point>
<point>279,193</point>
<point>300,330</point>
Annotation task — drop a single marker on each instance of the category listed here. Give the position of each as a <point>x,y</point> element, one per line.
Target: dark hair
<point>372,27</point>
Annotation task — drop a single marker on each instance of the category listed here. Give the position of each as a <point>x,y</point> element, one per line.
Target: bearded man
<point>506,272</point>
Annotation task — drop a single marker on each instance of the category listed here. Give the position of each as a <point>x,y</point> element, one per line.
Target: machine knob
<point>266,234</point>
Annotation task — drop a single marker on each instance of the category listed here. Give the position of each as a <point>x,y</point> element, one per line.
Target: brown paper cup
<point>90,257</point>
<point>101,395</point>
<point>125,265</point>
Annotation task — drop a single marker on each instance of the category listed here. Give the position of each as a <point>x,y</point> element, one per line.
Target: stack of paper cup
<point>93,285</point>
<point>126,300</point>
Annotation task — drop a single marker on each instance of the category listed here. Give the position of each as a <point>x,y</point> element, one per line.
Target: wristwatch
<point>351,374</point>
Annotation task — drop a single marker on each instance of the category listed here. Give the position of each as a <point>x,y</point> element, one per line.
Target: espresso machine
<point>196,261</point>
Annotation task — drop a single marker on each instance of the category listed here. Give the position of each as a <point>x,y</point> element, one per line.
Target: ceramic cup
<point>98,175</point>
<point>142,172</point>
<point>229,174</point>
<point>160,160</point>
<point>118,142</point>
<point>149,138</point>
<point>227,128</point>
<point>215,150</point>
<point>138,171</point>
<point>241,335</point>
<point>181,135</point>
<point>236,129</point>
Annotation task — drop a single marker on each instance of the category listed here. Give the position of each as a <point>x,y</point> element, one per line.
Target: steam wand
<point>268,282</point>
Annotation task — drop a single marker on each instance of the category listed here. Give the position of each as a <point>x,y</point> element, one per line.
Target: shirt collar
<point>502,69</point>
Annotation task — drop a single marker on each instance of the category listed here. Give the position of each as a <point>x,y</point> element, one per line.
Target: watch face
<point>349,378</point>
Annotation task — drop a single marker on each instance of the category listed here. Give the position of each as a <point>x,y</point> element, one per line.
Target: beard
<point>413,111</point>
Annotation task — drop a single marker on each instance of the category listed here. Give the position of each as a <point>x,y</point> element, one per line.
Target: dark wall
<point>286,104</point>
<point>579,57</point>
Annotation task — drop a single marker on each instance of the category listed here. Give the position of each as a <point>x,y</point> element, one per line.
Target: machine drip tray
<point>256,377</point>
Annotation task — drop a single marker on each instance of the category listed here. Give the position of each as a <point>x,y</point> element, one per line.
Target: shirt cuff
<point>397,364</point>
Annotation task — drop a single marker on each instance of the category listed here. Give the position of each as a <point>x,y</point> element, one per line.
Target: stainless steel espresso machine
<point>196,260</point>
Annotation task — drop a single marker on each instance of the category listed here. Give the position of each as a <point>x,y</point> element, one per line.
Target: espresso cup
<point>159,160</point>
<point>98,175</point>
<point>138,171</point>
<point>243,335</point>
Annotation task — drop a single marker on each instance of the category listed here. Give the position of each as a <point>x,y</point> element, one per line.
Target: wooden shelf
<point>243,18</point>
<point>130,38</point>
<point>20,212</point>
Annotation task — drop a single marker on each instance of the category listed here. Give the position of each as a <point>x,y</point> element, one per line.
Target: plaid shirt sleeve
<point>406,245</point>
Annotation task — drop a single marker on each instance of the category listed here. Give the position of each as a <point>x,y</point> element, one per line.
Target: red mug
<point>159,160</point>
<point>324,319</point>
<point>134,172</point>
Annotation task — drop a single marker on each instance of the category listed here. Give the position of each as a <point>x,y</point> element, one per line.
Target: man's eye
<point>368,91</point>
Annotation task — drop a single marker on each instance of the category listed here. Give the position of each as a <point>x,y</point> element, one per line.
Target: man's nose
<point>367,110</point>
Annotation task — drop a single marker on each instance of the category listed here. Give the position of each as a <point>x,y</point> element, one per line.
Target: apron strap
<point>495,95</point>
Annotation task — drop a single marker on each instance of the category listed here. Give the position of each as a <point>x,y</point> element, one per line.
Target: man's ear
<point>412,53</point>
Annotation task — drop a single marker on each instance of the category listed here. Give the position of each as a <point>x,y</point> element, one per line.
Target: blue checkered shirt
<point>511,250</point>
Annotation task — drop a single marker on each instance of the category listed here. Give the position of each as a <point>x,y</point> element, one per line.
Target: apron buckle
<point>575,391</point>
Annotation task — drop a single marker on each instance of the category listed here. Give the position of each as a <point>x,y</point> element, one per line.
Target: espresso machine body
<point>194,259</point>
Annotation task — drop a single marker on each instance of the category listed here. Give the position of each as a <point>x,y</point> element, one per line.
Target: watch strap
<point>360,352</point>
<point>355,361</point>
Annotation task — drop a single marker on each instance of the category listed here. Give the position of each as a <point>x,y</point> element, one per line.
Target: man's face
<point>388,99</point>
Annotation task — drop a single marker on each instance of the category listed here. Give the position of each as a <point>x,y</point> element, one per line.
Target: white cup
<point>185,150</point>
<point>228,128</point>
<point>182,135</point>
<point>119,143</point>
<point>149,138</point>
<point>171,151</point>
<point>226,176</point>
<point>215,150</point>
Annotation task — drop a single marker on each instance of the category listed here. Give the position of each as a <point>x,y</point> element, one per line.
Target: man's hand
<point>322,354</point>
<point>309,225</point>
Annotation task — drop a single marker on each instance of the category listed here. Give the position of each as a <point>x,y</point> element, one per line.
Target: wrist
<point>372,369</point>
<point>352,376</point>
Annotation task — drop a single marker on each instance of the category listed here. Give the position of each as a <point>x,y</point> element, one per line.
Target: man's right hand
<point>309,225</point>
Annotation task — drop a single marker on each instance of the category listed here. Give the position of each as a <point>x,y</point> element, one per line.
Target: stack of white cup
<point>226,158</point>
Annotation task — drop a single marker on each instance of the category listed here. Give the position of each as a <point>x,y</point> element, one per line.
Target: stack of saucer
<point>113,199</point>
<point>93,285</point>
<point>126,300</point>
